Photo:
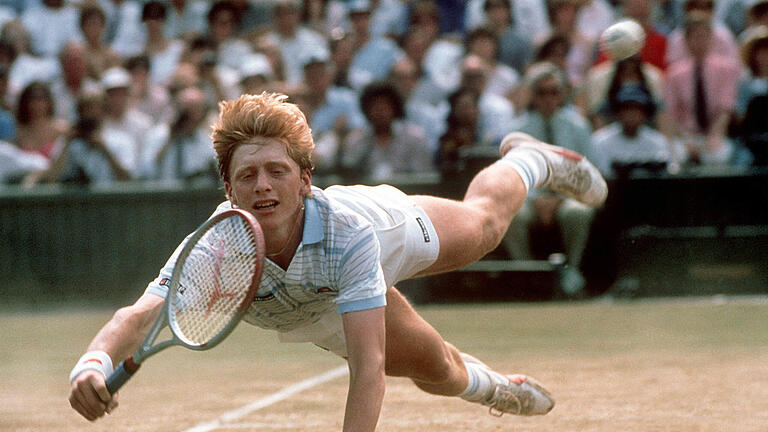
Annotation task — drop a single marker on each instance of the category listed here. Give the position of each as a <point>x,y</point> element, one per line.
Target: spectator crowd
<point>98,91</point>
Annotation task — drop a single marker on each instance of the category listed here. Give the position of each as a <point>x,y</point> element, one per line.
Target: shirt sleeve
<point>360,276</point>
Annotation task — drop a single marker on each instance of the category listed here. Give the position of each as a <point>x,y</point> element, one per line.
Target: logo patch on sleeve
<point>424,231</point>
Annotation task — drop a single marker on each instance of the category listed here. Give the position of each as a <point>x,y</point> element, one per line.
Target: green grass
<point>609,365</point>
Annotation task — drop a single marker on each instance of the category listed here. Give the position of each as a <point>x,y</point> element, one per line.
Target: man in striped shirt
<point>334,256</point>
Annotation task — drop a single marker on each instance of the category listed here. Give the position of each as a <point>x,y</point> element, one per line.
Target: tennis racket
<point>214,281</point>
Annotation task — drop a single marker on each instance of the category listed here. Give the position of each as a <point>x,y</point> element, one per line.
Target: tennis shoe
<point>568,172</point>
<point>526,399</point>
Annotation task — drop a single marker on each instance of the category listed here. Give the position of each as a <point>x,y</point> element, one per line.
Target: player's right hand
<point>89,395</point>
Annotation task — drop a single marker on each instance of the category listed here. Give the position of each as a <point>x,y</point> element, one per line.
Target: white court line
<point>266,401</point>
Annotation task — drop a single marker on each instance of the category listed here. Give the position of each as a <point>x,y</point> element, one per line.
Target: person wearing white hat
<point>255,74</point>
<point>121,117</point>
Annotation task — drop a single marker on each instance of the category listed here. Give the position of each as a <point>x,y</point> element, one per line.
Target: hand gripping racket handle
<point>122,374</point>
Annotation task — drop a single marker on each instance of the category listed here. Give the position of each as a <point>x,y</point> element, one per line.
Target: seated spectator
<point>374,55</point>
<point>325,16</point>
<point>124,30</point>
<point>497,113</point>
<point>151,99</point>
<point>425,18</point>
<point>563,16</point>
<point>295,41</point>
<point>121,116</point>
<point>752,101</point>
<point>256,74</point>
<point>462,132</point>
<point>332,112</point>
<point>387,145</point>
<point>405,77</point>
<point>51,25</point>
<point>436,56</point>
<point>515,48</point>
<point>38,129</point>
<point>389,18</point>
<point>100,56</point>
<point>529,16</point>
<point>630,143</point>
<point>218,81</point>
<point>25,67</point>
<point>700,96</point>
<point>435,65</point>
<point>182,150</point>
<point>342,46</point>
<point>73,80</point>
<point>186,19</point>
<point>503,80</point>
<point>604,80</point>
<point>91,154</point>
<point>544,215</point>
<point>223,24</point>
<point>722,41</point>
<point>164,54</point>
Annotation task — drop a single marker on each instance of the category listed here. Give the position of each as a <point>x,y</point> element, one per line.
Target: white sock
<point>530,164</point>
<point>481,382</point>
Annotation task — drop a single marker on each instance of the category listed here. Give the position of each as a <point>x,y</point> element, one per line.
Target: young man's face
<point>265,181</point>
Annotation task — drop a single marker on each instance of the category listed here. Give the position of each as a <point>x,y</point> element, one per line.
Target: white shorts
<point>409,244</point>
<point>408,240</point>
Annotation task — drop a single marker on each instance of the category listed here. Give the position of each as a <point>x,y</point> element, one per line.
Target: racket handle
<point>122,374</point>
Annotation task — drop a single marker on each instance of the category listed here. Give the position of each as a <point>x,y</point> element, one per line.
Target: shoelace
<point>504,401</point>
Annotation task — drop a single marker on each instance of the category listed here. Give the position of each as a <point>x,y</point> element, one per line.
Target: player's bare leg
<point>473,227</point>
<point>414,349</point>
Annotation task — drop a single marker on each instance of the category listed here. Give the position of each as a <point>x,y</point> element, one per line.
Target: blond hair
<point>268,115</point>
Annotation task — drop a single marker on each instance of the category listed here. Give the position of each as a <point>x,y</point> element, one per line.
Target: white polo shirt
<point>338,263</point>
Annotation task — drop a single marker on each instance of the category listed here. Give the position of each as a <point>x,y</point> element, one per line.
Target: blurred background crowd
<point>100,91</point>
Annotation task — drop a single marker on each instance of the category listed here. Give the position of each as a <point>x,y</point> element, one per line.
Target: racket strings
<point>214,281</point>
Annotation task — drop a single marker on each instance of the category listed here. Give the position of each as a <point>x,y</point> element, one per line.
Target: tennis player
<point>335,255</point>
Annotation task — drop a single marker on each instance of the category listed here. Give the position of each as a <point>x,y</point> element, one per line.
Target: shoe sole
<point>540,388</point>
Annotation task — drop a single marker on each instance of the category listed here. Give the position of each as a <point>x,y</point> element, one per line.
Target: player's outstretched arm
<point>365,335</point>
<point>120,337</point>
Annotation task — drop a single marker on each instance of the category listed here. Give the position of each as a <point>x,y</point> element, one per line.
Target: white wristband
<point>96,360</point>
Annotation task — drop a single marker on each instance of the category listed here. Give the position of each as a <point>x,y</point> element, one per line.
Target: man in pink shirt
<point>723,41</point>
<point>701,95</point>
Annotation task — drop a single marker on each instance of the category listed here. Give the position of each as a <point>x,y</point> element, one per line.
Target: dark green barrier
<point>103,245</point>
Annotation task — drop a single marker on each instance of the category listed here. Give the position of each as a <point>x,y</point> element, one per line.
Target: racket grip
<point>122,374</point>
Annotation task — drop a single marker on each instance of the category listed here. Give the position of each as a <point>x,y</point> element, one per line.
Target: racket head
<point>215,279</point>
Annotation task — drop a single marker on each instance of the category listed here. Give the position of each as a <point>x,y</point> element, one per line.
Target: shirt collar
<point>313,223</point>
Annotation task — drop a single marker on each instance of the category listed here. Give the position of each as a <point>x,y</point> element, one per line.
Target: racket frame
<point>129,366</point>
